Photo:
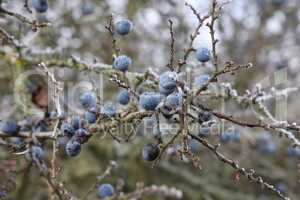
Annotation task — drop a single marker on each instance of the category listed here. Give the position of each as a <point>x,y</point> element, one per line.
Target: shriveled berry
<point>150,152</point>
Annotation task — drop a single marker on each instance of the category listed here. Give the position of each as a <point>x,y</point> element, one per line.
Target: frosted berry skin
<point>73,148</point>
<point>9,127</point>
<point>76,122</point>
<point>168,81</point>
<point>67,129</point>
<point>88,99</point>
<point>173,100</point>
<point>40,6</point>
<point>203,54</point>
<point>123,97</point>
<point>293,152</point>
<point>105,190</point>
<point>87,8</point>
<point>109,110</point>
<point>193,145</point>
<point>150,152</point>
<point>90,117</point>
<point>204,132</point>
<point>123,27</point>
<point>36,153</point>
<point>149,100</point>
<point>81,136</point>
<point>201,80</point>
<point>122,63</point>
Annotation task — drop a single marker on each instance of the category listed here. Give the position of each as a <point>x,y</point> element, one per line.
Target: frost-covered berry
<point>73,148</point>
<point>40,5</point>
<point>122,63</point>
<point>204,132</point>
<point>76,122</point>
<point>109,110</point>
<point>105,190</point>
<point>10,127</point>
<point>173,100</point>
<point>90,117</point>
<point>150,152</point>
<point>35,153</point>
<point>87,8</point>
<point>67,129</point>
<point>293,151</point>
<point>123,97</point>
<point>149,100</point>
<point>88,99</point>
<point>168,82</point>
<point>230,135</point>
<point>203,54</point>
<point>201,80</point>
<point>193,145</point>
<point>123,27</point>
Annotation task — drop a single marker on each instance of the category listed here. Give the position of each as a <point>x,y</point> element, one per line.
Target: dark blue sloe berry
<point>81,135</point>
<point>105,190</point>
<point>201,80</point>
<point>40,6</point>
<point>204,116</point>
<point>193,145</point>
<point>35,153</point>
<point>122,63</point>
<point>9,127</point>
<point>67,129</point>
<point>149,100</point>
<point>87,8</point>
<point>173,100</point>
<point>90,117</point>
<point>204,132</point>
<point>73,148</point>
<point>88,99</point>
<point>168,82</point>
<point>123,27</point>
<point>150,152</point>
<point>76,122</point>
<point>109,110</point>
<point>203,54</point>
<point>123,97</point>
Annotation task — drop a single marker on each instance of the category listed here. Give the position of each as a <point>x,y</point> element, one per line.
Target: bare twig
<point>172,46</point>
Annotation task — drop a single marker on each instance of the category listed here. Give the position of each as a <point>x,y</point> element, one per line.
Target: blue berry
<point>149,100</point>
<point>204,116</point>
<point>268,148</point>
<point>168,81</point>
<point>15,141</point>
<point>9,127</point>
<point>67,129</point>
<point>164,91</point>
<point>35,153</point>
<point>123,97</point>
<point>88,99</point>
<point>203,54</point>
<point>281,187</point>
<point>81,135</point>
<point>105,190</point>
<point>90,117</point>
<point>150,152</point>
<point>123,27</point>
<point>204,132</point>
<point>87,8</point>
<point>40,5</point>
<point>278,2</point>
<point>76,122</point>
<point>194,145</point>
<point>122,63</point>
<point>230,135</point>
<point>293,152</point>
<point>109,110</point>
<point>173,100</point>
<point>201,80</point>
<point>73,148</point>
<point>62,142</point>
